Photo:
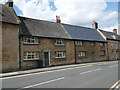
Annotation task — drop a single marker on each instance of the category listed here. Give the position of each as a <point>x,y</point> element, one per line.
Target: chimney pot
<point>9,3</point>
<point>95,25</point>
<point>58,19</point>
<point>115,30</point>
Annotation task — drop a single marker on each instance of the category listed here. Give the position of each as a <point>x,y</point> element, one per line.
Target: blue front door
<point>46,58</point>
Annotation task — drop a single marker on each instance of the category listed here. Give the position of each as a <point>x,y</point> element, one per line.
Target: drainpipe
<point>19,52</point>
<point>107,51</point>
<point>75,53</point>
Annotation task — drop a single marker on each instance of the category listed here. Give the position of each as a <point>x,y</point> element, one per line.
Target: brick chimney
<point>115,30</point>
<point>9,3</point>
<point>95,25</point>
<point>58,19</point>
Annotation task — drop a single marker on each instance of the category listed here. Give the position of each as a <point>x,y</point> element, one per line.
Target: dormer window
<point>30,40</point>
<point>59,42</point>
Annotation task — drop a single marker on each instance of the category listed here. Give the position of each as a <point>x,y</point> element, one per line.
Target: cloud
<point>38,9</point>
<point>111,28</point>
<point>109,15</point>
<point>81,13</point>
<point>71,11</point>
<point>2,1</point>
<point>77,12</point>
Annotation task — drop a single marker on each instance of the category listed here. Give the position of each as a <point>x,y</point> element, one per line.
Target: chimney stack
<point>95,25</point>
<point>9,3</point>
<point>58,19</point>
<point>115,30</point>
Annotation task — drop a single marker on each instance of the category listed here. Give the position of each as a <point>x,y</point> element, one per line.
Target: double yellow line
<point>116,86</point>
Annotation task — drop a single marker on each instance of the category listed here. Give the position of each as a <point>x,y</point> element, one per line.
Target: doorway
<point>93,56</point>
<point>46,59</point>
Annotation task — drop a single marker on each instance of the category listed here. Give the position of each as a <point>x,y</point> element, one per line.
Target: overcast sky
<point>76,12</point>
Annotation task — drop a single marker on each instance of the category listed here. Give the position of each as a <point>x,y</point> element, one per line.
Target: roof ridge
<point>108,31</point>
<point>55,22</point>
<point>36,19</point>
<point>78,26</point>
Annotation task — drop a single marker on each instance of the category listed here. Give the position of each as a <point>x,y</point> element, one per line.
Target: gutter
<point>75,53</point>
<point>19,52</point>
<point>107,51</point>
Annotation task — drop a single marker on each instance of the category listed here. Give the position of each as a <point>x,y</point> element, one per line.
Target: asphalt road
<point>103,75</point>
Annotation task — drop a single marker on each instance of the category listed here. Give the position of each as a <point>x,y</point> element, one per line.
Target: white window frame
<point>102,44</point>
<point>60,54</point>
<point>30,40</point>
<point>82,53</point>
<point>79,43</point>
<point>59,42</point>
<point>31,56</point>
<point>92,43</point>
<point>102,53</point>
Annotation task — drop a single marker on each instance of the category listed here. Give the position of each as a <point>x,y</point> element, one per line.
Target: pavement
<point>46,69</point>
<point>90,75</point>
<point>41,70</point>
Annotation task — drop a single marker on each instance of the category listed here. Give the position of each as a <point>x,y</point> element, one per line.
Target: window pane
<point>31,55</point>
<point>60,54</point>
<point>59,42</point>
<point>82,54</point>
<point>30,40</point>
<point>79,43</point>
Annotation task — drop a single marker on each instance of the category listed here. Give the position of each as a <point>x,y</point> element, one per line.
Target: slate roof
<point>110,35</point>
<point>33,27</point>
<point>118,37</point>
<point>83,33</point>
<point>41,28</point>
<point>8,15</point>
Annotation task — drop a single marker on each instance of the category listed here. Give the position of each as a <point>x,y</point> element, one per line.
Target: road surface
<point>96,75</point>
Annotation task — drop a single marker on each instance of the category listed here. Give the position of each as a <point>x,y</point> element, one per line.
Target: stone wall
<point>10,47</point>
<point>113,50</point>
<point>47,45</point>
<point>92,52</point>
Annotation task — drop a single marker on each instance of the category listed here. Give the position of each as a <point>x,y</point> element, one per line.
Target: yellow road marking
<point>115,85</point>
<point>118,86</point>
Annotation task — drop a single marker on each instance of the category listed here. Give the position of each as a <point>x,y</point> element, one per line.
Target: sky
<point>75,12</point>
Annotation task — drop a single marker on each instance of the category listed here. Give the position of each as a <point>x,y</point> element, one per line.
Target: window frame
<point>82,54</point>
<point>79,43</point>
<point>30,40</point>
<point>102,53</point>
<point>102,44</point>
<point>59,42</point>
<point>60,54</point>
<point>92,43</point>
<point>31,55</point>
